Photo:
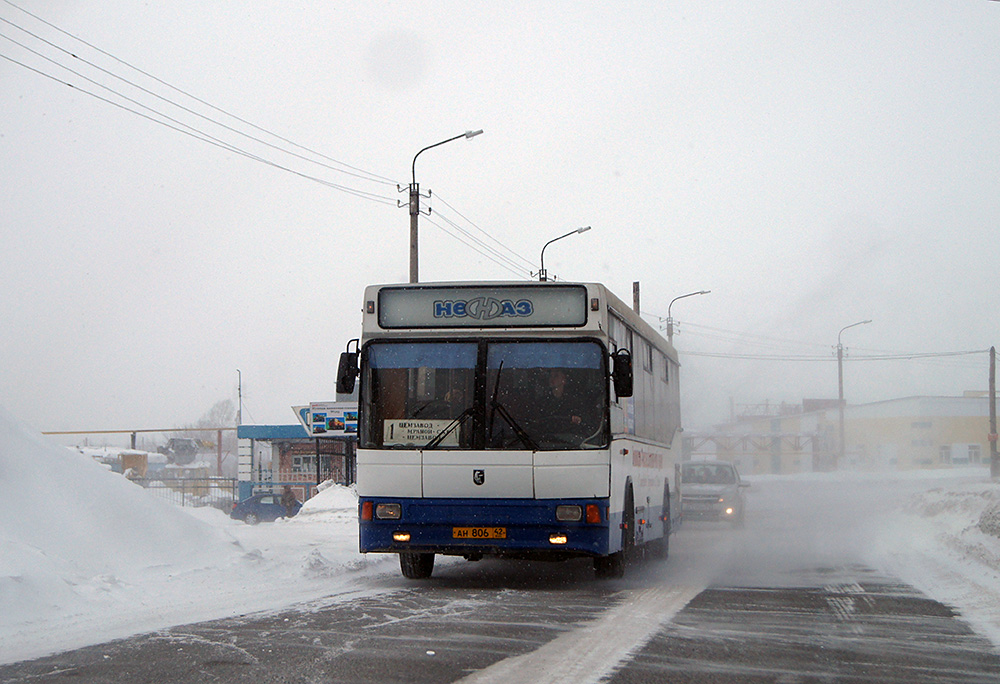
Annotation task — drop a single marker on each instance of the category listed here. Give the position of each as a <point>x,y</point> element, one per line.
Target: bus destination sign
<point>483,307</point>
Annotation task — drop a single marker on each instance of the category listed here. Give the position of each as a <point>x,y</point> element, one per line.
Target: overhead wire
<point>504,256</point>
<point>883,356</point>
<point>199,135</point>
<point>528,263</point>
<point>175,124</point>
<point>765,341</point>
<point>484,248</point>
<point>474,247</point>
<point>354,170</point>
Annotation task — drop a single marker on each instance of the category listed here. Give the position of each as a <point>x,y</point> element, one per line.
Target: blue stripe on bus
<point>528,524</point>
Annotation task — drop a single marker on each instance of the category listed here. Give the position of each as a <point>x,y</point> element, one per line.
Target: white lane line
<point>593,651</point>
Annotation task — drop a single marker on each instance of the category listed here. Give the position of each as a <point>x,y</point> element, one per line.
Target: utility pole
<point>840,405</point>
<point>415,204</point>
<point>670,318</point>
<point>840,390</point>
<point>414,242</point>
<point>994,457</point>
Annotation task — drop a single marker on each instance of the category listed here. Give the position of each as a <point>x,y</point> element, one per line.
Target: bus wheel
<point>416,565</point>
<point>659,549</point>
<point>612,566</point>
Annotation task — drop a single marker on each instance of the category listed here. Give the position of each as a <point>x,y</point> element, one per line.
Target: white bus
<point>521,420</point>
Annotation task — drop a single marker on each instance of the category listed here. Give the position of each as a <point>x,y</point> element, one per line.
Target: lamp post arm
<point>689,294</point>
<point>849,326</point>
<point>467,134</point>
<point>415,203</point>
<point>542,275</point>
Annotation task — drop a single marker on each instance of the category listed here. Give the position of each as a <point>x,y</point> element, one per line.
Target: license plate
<point>479,532</point>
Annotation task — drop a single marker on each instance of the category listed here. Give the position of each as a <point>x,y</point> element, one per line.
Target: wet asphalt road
<point>784,600</point>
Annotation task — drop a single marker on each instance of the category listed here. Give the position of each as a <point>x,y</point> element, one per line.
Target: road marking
<point>593,651</point>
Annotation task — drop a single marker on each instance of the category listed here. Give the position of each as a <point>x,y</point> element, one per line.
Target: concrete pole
<point>994,457</point>
<point>414,213</point>
<point>840,405</point>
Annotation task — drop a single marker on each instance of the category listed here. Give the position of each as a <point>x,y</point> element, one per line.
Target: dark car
<point>712,490</point>
<point>262,508</point>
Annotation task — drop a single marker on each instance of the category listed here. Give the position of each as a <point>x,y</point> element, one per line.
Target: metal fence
<point>218,492</point>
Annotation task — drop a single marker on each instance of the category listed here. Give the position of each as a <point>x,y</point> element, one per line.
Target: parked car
<point>712,490</point>
<point>262,508</point>
<point>180,450</point>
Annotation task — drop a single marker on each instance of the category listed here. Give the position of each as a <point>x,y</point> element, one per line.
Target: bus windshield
<point>510,394</point>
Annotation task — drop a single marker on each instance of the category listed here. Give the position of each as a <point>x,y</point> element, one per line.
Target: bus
<point>532,420</point>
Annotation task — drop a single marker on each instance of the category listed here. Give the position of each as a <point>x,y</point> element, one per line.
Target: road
<point>789,598</point>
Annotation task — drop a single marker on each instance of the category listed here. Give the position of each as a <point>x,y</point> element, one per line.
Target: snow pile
<point>945,543</point>
<point>82,547</point>
<point>72,528</point>
<point>989,521</point>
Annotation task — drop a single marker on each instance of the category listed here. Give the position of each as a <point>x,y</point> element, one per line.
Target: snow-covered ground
<point>946,542</point>
<point>86,556</point>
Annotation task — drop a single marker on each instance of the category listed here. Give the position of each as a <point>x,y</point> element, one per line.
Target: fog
<point>812,165</point>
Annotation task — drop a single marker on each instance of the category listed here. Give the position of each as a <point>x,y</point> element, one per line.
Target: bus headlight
<point>388,511</point>
<point>567,513</point>
<point>401,536</point>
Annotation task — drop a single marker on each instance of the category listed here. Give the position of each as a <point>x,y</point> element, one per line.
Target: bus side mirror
<point>621,372</point>
<point>347,370</point>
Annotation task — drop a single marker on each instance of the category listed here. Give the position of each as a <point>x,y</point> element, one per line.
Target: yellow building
<point>898,434</point>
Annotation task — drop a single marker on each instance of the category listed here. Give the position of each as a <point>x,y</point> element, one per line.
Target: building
<point>272,456</point>
<point>897,434</point>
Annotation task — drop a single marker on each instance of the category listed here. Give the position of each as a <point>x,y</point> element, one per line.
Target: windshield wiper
<point>518,430</point>
<point>497,407</point>
<point>449,428</point>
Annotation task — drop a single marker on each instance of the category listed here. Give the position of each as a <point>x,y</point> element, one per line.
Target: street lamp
<point>542,274</point>
<point>670,319</point>
<point>840,385</point>
<point>415,201</point>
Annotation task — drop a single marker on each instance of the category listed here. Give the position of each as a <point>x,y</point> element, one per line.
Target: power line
<point>199,135</point>
<point>156,115</point>
<point>778,343</point>
<point>355,171</point>
<point>484,248</point>
<point>790,357</point>
<point>529,264</point>
<point>475,247</point>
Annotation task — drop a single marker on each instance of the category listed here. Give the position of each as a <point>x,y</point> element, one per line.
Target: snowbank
<point>81,546</point>
<point>946,542</point>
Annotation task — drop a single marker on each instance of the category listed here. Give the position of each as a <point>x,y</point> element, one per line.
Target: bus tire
<point>659,549</point>
<point>612,566</point>
<point>416,565</point>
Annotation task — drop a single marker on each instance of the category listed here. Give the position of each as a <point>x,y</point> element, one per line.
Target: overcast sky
<point>813,164</point>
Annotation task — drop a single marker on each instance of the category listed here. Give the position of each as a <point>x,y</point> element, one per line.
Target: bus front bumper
<point>525,528</point>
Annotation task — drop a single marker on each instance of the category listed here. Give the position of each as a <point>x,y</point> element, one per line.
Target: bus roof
<point>499,306</point>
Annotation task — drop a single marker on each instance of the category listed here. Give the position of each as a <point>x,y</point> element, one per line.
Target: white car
<point>712,490</point>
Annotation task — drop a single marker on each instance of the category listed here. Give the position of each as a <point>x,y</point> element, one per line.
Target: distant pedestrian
<point>289,501</point>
